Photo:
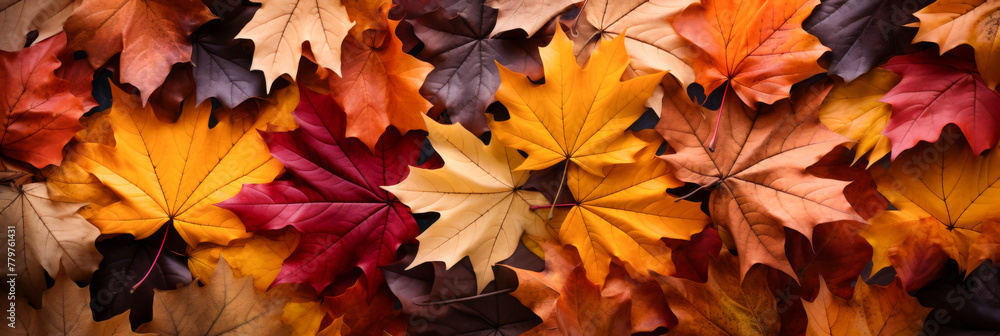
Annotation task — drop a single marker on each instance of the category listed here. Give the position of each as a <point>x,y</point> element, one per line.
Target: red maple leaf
<point>333,197</point>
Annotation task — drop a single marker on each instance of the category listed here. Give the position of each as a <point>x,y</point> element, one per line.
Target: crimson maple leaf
<point>333,197</point>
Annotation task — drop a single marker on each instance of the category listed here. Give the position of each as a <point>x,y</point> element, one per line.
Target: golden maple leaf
<point>177,171</point>
<point>580,113</point>
<point>477,192</point>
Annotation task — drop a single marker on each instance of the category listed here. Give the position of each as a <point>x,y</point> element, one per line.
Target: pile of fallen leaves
<point>548,167</point>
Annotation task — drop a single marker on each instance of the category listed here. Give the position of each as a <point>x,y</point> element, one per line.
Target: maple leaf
<point>49,235</point>
<point>176,171</point>
<point>652,43</point>
<point>334,198</point>
<point>873,310</point>
<point>465,75</point>
<point>443,301</point>
<point>853,110</point>
<point>39,112</point>
<point>379,87</point>
<point>862,33</point>
<point>483,211</point>
<point>118,284</point>
<point>19,17</point>
<point>758,170</point>
<point>222,63</point>
<point>228,305</point>
<point>151,35</point>
<point>943,193</point>
<point>280,27</point>
<point>569,304</point>
<point>579,113</point>
<point>724,305</point>
<point>625,214</point>
<point>527,15</point>
<point>951,23</point>
<point>66,312</point>
<point>259,256</point>
<point>935,91</point>
<point>758,46</point>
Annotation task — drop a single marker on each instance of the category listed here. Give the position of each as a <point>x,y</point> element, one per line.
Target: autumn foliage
<point>485,167</point>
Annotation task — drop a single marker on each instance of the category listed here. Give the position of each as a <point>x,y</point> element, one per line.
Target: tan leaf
<point>229,305</point>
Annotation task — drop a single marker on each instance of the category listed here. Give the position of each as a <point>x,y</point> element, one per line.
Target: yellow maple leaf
<point>177,171</point>
<point>626,214</point>
<point>944,193</point>
<point>483,211</point>
<point>580,113</point>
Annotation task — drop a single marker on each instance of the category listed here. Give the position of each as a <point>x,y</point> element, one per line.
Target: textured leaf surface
<point>950,23</point>
<point>66,311</point>
<point>527,15</point>
<point>48,235</point>
<point>483,211</point>
<point>176,171</point>
<point>221,63</point>
<point>579,113</point>
<point>39,111</point>
<point>757,45</point>
<point>569,304</point>
<point>229,305</point>
<point>725,304</point>
<point>625,214</point>
<point>853,110</point>
<point>651,41</point>
<point>935,91</point>
<point>943,192</point>
<point>441,301</point>
<point>862,33</point>
<point>465,75</point>
<point>151,36</point>
<point>359,316</point>
<point>873,310</point>
<point>758,169</point>
<point>334,197</point>
<point>125,262</point>
<point>18,17</point>
<point>259,256</point>
<point>380,87</point>
<point>280,27</point>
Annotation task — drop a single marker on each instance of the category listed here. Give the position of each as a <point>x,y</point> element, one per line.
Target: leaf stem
<point>150,270</point>
<point>467,298</point>
<point>559,191</point>
<point>536,207</point>
<point>718,120</point>
<point>710,185</point>
<point>575,30</point>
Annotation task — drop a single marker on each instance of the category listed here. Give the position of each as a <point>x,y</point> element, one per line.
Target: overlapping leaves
<point>192,205</point>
